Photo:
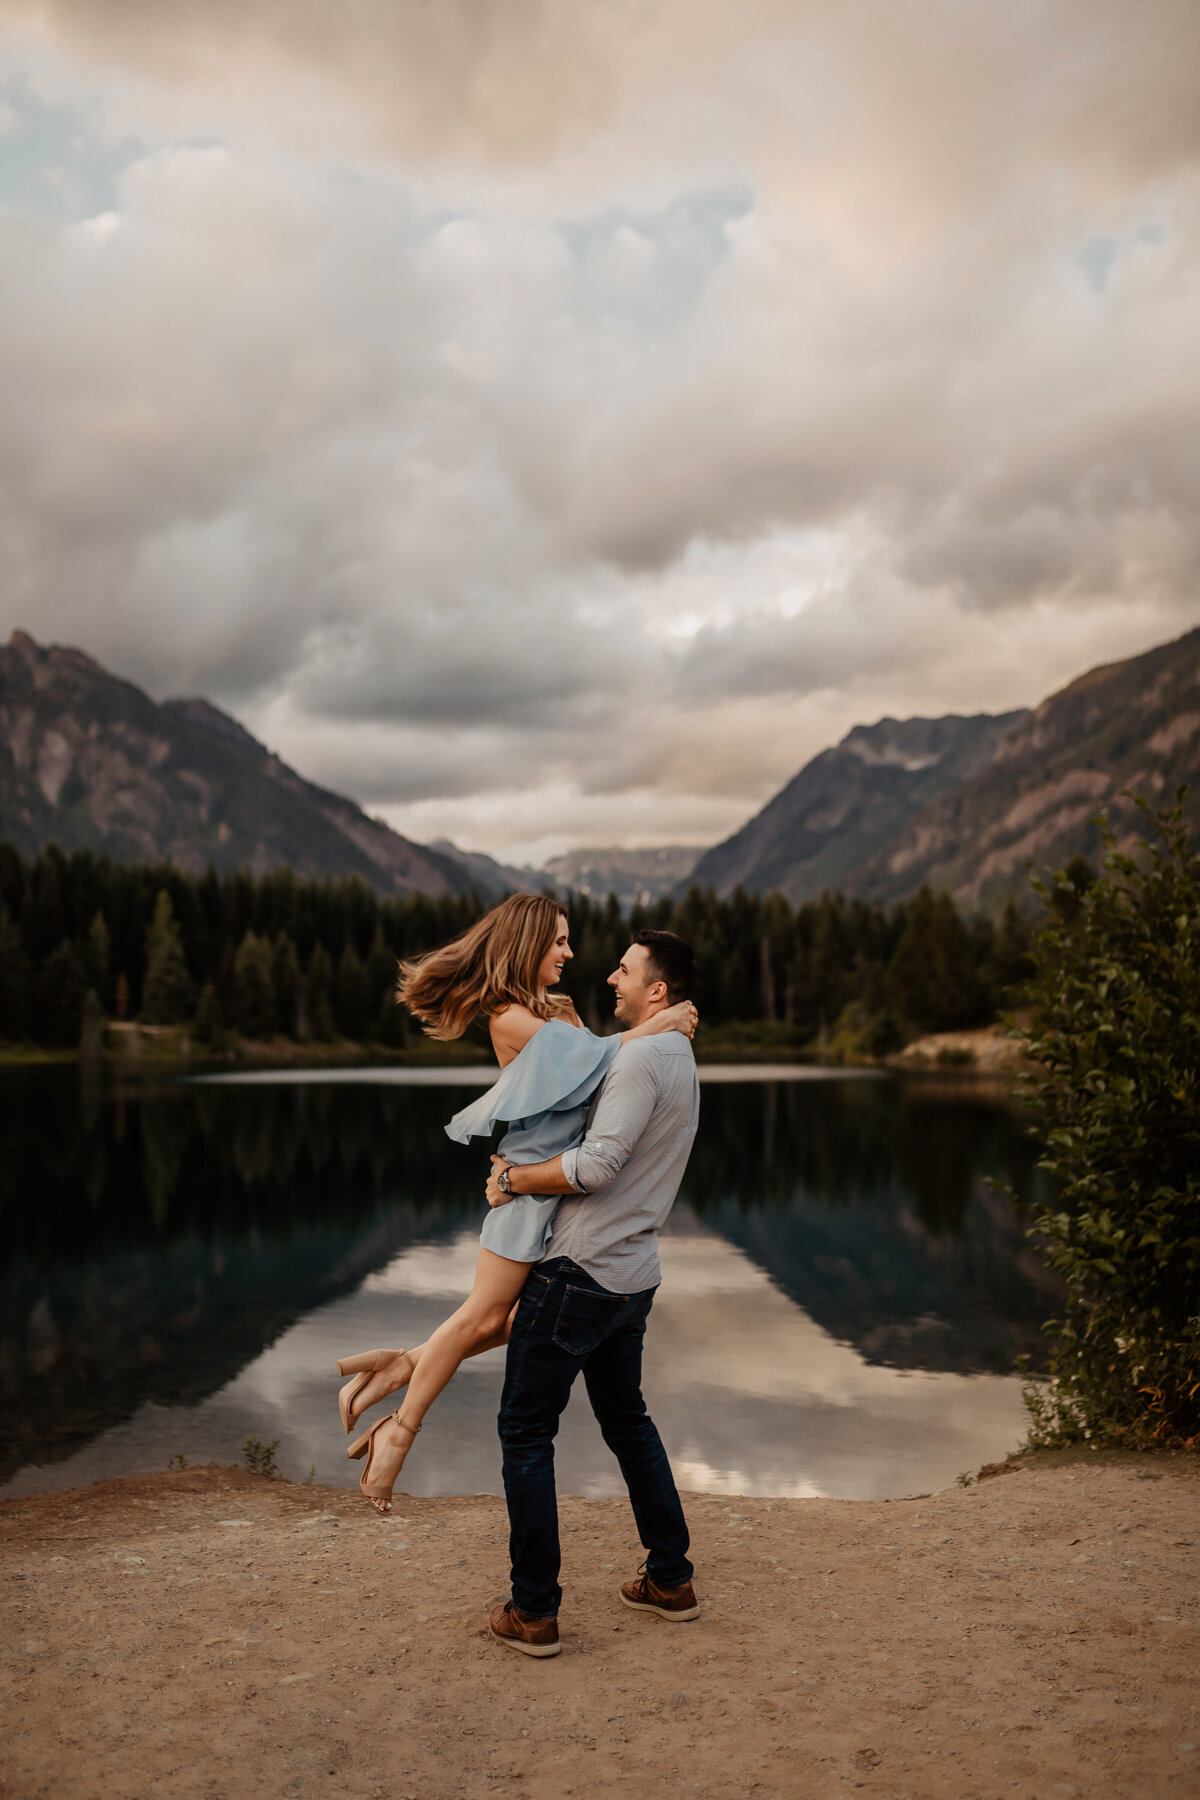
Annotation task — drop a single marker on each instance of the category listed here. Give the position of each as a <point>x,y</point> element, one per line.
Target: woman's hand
<point>492,1192</point>
<point>682,1017</point>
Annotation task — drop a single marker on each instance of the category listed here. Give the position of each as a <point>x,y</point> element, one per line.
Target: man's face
<point>637,993</point>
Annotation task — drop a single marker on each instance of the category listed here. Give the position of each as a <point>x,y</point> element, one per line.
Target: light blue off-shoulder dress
<point>543,1094</point>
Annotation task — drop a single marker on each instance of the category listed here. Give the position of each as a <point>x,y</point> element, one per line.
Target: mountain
<point>966,804</point>
<point>1128,725</point>
<point>87,759</point>
<point>850,802</point>
<point>634,876</point>
<point>490,878</point>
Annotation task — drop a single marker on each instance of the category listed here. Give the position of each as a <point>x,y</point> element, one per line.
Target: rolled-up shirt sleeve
<point>622,1114</point>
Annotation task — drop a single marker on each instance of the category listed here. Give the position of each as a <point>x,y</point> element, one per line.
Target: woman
<point>503,967</point>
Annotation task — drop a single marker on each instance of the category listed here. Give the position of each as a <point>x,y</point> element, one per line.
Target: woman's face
<point>550,971</point>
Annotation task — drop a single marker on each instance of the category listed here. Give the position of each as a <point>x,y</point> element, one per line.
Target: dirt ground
<point>212,1633</point>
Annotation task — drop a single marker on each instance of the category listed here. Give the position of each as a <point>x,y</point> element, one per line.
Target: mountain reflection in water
<point>164,1249</point>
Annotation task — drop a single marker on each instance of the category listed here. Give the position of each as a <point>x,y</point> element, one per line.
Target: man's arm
<point>527,1178</point>
<point>622,1114</point>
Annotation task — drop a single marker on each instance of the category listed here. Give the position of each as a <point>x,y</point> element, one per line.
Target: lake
<point>182,1260</point>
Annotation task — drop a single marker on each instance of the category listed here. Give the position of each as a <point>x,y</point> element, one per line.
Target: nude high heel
<point>377,1361</point>
<point>378,1498</point>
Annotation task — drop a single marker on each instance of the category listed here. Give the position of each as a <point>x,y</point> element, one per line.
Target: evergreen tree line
<point>278,955</point>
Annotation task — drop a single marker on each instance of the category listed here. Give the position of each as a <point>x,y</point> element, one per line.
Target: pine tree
<point>167,993</point>
<point>320,1012</point>
<point>91,1027</point>
<point>351,1012</point>
<point>14,979</point>
<point>98,959</point>
<point>208,1027</point>
<point>933,981</point>
<point>58,998</point>
<point>1010,964</point>
<point>285,984</point>
<point>774,946</point>
<point>47,918</point>
<point>253,988</point>
<point>381,984</point>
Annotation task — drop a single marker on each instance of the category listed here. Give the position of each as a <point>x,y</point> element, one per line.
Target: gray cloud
<point>516,75</point>
<point>950,95</point>
<point>493,401</point>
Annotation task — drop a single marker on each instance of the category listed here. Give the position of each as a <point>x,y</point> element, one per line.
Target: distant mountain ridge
<point>491,878</point>
<point>963,803</point>
<point>636,877</point>
<point>966,804</point>
<point>850,802</point>
<point>1132,725</point>
<point>89,760</point>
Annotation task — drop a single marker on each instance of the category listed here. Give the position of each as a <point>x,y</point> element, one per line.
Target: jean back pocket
<point>586,1318</point>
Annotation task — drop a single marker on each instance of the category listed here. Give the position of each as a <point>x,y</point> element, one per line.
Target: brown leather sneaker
<point>536,1637</point>
<point>669,1603</point>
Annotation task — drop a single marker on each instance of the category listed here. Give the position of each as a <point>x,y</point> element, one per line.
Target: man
<point>584,1307</point>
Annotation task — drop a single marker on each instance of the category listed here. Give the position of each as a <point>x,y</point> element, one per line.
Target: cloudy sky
<point>551,422</point>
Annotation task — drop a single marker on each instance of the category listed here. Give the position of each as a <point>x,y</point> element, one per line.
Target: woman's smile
<point>557,957</point>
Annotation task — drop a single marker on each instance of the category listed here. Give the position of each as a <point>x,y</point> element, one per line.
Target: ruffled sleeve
<point>560,1067</point>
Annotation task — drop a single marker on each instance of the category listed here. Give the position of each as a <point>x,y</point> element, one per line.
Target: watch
<point>502,1181</point>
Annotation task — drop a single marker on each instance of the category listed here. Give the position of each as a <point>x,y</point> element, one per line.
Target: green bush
<point>1115,1030</point>
<point>259,1458</point>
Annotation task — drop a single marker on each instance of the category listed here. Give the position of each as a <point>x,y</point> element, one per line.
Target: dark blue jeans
<point>567,1322</point>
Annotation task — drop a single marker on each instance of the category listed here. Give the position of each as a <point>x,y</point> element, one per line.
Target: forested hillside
<point>1131,725</point>
<point>969,804</point>
<point>90,761</point>
<point>280,956</point>
<point>849,802</point>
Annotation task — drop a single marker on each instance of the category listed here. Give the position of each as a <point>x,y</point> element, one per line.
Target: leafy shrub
<point>259,1458</point>
<point>1115,1028</point>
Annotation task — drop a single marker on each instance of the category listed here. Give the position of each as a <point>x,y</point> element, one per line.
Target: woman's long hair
<point>493,965</point>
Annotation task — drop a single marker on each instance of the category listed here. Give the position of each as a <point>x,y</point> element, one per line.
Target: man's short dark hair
<point>669,959</point>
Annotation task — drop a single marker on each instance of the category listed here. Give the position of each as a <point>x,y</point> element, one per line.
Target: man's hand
<point>492,1191</point>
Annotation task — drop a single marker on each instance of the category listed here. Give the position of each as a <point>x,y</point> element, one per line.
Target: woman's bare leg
<point>384,1382</point>
<point>389,1371</point>
<point>397,1367</point>
<point>481,1323</point>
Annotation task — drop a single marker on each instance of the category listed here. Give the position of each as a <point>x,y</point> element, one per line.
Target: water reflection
<point>872,1207</point>
<point>179,1265</point>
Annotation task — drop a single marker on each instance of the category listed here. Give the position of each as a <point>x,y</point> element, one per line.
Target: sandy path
<point>210,1633</point>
